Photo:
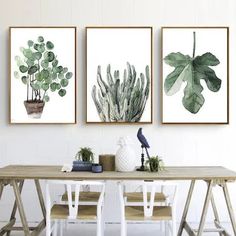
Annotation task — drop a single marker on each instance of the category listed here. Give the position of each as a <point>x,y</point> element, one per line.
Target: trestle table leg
<point>185,212</point>
<point>229,206</point>
<point>20,207</point>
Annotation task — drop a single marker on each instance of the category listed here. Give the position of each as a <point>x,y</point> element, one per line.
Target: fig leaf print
<point>191,71</point>
<point>39,70</point>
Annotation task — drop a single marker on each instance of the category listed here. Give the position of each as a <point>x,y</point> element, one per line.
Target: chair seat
<point>59,211</point>
<point>137,213</point>
<point>138,197</point>
<point>83,196</point>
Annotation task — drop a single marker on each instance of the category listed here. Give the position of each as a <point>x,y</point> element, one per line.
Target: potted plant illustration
<point>155,164</point>
<point>39,69</point>
<point>83,159</point>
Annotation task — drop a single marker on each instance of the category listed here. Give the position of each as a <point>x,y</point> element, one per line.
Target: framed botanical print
<point>195,75</point>
<point>119,75</point>
<point>43,75</point>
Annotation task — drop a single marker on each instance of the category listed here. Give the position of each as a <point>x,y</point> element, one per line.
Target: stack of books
<point>82,166</point>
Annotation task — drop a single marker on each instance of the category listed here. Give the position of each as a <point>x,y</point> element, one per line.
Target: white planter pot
<point>125,159</point>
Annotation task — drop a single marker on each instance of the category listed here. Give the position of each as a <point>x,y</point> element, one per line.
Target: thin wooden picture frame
<point>150,121</point>
<point>70,73</point>
<point>226,68</point>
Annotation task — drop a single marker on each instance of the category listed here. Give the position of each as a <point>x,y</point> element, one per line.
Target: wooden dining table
<point>213,176</point>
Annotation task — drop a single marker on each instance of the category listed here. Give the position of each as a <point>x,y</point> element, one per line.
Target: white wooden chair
<point>73,209</point>
<point>156,205</point>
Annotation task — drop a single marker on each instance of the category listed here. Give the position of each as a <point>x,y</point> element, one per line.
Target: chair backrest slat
<point>73,208</point>
<point>146,188</point>
<point>75,186</point>
<point>148,204</point>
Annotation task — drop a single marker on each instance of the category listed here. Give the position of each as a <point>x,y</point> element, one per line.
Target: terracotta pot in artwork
<point>34,108</point>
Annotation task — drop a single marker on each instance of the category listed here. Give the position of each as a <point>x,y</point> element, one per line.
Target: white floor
<point>113,230</point>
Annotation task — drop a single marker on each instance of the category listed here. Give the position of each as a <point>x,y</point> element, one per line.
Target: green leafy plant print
<point>191,71</point>
<point>39,70</point>
<point>119,100</point>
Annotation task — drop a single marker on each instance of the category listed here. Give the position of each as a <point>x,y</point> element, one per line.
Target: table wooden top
<point>170,173</point>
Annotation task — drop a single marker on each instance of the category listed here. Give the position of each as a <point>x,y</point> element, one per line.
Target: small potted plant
<point>83,159</point>
<point>155,164</point>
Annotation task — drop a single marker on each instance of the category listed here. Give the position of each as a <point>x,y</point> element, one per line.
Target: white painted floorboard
<point>113,230</point>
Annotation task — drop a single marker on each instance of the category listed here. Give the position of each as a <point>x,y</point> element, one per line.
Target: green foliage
<point>37,55</point>
<point>69,75</point>
<point>55,63</point>
<point>191,70</point>
<point>59,69</point>
<point>62,92</point>
<point>39,47</point>
<point>32,70</point>
<point>61,75</point>
<point>23,69</point>
<point>44,64</point>
<point>39,76</point>
<point>24,79</point>
<point>85,154</point>
<point>30,43</point>
<point>46,98</point>
<point>49,45</point>
<point>36,86</point>
<point>28,53</point>
<point>64,82</point>
<point>40,39</point>
<point>19,62</point>
<point>121,100</point>
<point>16,74</point>
<point>45,86</point>
<point>155,164</point>
<point>30,62</point>
<point>53,86</point>
<point>38,68</point>
<point>49,56</point>
<point>58,86</point>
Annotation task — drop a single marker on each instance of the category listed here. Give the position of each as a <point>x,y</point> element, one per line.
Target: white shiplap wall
<point>57,144</point>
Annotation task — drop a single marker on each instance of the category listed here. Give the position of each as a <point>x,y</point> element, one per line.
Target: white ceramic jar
<point>125,156</point>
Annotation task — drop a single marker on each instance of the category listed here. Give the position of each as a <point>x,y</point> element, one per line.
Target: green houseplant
<point>85,154</point>
<point>83,159</point>
<point>39,69</point>
<point>155,164</point>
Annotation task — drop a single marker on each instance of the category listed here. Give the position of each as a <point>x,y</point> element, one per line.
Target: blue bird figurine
<point>143,141</point>
<point>142,138</point>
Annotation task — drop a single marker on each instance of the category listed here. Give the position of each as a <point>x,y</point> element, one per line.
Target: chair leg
<point>99,227</point>
<point>48,227</point>
<point>173,227</point>
<point>166,228</point>
<point>123,228</point>
<point>103,222</point>
<point>162,226</point>
<point>103,226</point>
<point>55,228</point>
<point>173,222</point>
<point>65,224</point>
<point>61,222</point>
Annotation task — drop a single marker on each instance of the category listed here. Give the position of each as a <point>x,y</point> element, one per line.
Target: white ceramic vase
<point>125,156</point>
